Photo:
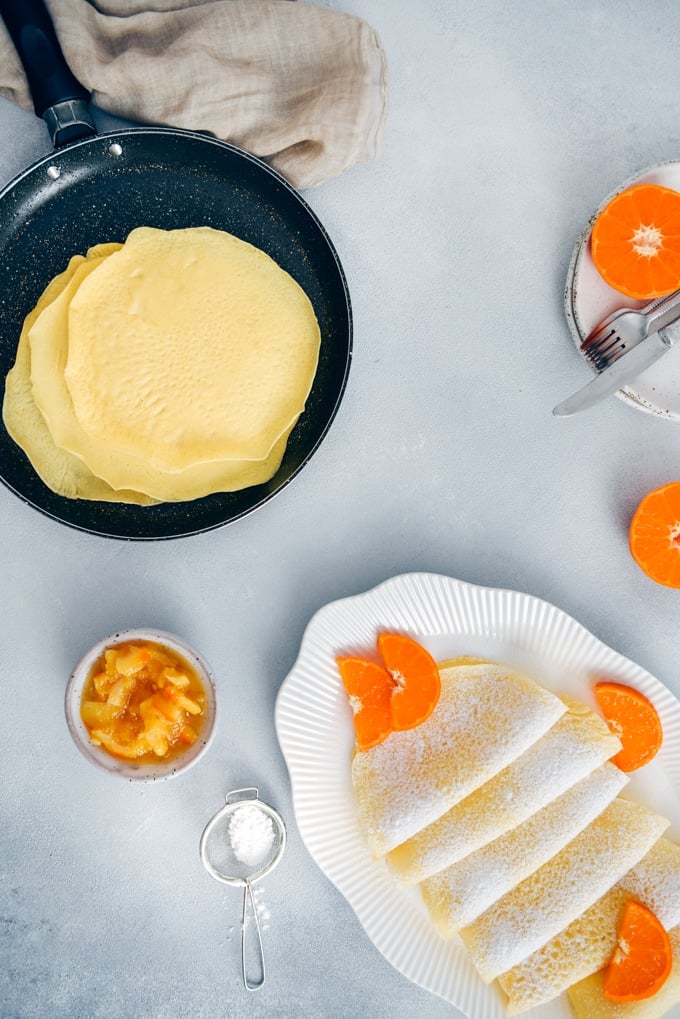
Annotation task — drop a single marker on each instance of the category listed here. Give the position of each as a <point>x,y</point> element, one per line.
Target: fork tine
<point>609,348</point>
<point>599,336</point>
<point>603,328</point>
<point>602,346</point>
<point>595,336</point>
<point>622,329</point>
<point>605,355</point>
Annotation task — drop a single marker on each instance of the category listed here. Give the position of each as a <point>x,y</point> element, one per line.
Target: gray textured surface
<point>507,125</point>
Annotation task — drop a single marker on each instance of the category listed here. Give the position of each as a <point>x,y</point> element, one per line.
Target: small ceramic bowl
<point>144,772</point>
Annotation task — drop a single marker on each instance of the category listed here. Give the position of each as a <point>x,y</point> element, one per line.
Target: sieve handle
<point>250,912</point>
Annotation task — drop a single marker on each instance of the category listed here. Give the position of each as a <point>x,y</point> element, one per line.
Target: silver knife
<point>622,371</point>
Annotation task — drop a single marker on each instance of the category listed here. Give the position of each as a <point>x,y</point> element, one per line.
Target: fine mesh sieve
<point>240,845</point>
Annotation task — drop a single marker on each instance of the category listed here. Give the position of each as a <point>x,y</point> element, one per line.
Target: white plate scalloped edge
<point>315,731</point>
<point>588,299</point>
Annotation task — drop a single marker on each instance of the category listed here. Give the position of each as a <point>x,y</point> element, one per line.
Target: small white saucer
<point>588,299</point>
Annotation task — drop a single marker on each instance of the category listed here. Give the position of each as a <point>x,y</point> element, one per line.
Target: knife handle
<point>666,312</point>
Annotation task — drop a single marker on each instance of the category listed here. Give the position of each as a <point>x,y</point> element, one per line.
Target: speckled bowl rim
<point>129,770</point>
<point>628,394</point>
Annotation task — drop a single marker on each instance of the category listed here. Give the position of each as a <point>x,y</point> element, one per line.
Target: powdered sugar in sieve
<point>240,845</point>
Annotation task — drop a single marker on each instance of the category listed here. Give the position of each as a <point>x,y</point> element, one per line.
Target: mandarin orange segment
<point>416,678</point>
<point>643,958</point>
<point>369,687</point>
<point>635,242</point>
<point>634,720</point>
<point>654,535</point>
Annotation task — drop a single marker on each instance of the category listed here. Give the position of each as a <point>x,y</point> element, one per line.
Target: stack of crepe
<point>504,807</point>
<point>167,368</point>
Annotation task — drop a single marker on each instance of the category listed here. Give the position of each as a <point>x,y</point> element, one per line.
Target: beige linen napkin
<point>301,86</point>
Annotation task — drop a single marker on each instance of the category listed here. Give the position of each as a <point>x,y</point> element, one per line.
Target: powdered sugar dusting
<point>459,894</point>
<point>550,899</point>
<point>656,882</point>
<point>586,945</point>
<point>487,715</point>
<point>578,742</point>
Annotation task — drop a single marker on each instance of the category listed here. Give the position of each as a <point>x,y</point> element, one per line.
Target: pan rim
<point>172,132</point>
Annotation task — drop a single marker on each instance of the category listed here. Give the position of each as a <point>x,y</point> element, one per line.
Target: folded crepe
<point>556,894</point>
<point>577,744</point>
<point>486,717</point>
<point>587,998</point>
<point>588,943</point>
<point>461,893</point>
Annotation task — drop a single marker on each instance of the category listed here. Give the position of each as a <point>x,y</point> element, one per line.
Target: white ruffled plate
<point>316,733</point>
<point>588,299</point>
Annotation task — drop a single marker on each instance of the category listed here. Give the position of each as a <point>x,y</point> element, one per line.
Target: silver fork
<point>627,327</point>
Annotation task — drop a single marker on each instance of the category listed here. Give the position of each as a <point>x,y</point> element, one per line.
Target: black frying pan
<point>96,188</point>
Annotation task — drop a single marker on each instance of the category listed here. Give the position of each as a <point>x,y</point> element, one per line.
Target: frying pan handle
<point>57,96</point>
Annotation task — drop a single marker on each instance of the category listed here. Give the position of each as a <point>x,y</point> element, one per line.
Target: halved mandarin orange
<point>643,958</point>
<point>370,688</point>
<point>394,696</point>
<point>635,242</point>
<point>416,678</point>
<point>654,535</point>
<point>634,719</point>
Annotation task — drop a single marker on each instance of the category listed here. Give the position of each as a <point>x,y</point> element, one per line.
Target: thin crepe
<point>588,943</point>
<point>49,343</point>
<point>577,744</point>
<point>587,998</point>
<point>486,717</point>
<point>189,346</point>
<point>459,894</point>
<point>60,470</point>
<point>556,894</point>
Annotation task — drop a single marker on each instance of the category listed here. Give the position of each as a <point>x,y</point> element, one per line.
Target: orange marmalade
<point>143,701</point>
